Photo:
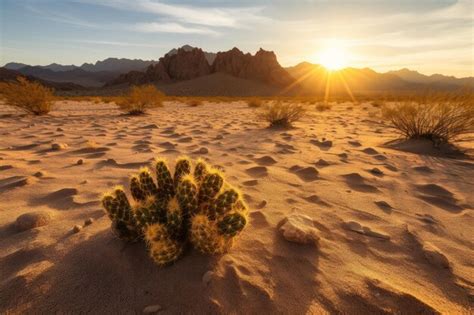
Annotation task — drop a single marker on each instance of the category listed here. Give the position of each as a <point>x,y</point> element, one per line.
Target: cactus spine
<point>186,207</point>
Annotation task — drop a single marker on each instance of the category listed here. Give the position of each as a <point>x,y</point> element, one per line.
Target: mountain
<point>208,55</point>
<point>77,76</point>
<point>12,75</point>
<point>121,65</point>
<point>187,64</point>
<point>54,66</point>
<point>317,79</point>
<point>435,79</point>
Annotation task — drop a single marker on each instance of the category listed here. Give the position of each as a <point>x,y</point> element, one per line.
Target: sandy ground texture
<point>394,227</point>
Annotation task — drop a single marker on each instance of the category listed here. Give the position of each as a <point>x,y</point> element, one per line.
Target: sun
<point>333,58</point>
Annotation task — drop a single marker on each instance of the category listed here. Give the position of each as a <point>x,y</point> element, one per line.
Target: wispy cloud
<point>236,17</point>
<point>155,27</point>
<point>114,43</point>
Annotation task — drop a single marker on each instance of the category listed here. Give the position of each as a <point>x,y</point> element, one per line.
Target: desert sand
<point>394,227</point>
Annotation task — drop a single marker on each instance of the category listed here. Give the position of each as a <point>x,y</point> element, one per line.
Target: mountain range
<point>189,68</point>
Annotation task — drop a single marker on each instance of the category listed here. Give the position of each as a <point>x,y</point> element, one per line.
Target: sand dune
<point>392,229</point>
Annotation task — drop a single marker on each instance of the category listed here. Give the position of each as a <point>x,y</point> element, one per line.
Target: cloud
<point>155,27</point>
<point>236,17</point>
<point>114,43</point>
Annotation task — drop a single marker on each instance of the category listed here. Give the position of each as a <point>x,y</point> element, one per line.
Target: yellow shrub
<point>141,98</point>
<point>280,114</point>
<point>31,97</point>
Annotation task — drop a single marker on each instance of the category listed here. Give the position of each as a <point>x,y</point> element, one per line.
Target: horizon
<point>430,37</point>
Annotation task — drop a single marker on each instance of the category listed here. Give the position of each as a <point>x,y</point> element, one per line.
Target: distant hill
<point>12,75</point>
<point>316,78</point>
<point>117,65</point>
<point>435,79</point>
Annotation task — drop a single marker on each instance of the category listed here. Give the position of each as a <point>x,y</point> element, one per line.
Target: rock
<point>77,228</point>
<point>354,226</point>
<point>80,162</point>
<point>207,277</point>
<point>298,228</point>
<point>203,150</point>
<point>263,66</point>
<point>151,309</point>
<point>38,174</point>
<point>89,221</point>
<point>59,129</point>
<point>32,220</point>
<point>376,171</point>
<point>434,256</point>
<point>358,228</point>
<point>59,146</point>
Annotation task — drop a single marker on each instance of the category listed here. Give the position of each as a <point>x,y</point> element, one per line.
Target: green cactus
<point>120,212</point>
<point>183,167</point>
<point>213,230</point>
<point>210,186</point>
<point>186,207</point>
<point>163,249</point>
<point>164,179</point>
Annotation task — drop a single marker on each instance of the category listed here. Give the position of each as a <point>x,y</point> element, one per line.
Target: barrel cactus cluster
<point>189,207</point>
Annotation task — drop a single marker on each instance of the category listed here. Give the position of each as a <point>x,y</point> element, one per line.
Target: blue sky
<point>428,36</point>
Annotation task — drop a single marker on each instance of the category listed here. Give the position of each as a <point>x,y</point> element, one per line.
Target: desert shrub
<point>377,104</point>
<point>439,118</point>
<point>254,103</point>
<point>194,102</point>
<point>323,106</point>
<point>279,114</point>
<point>141,98</point>
<point>31,97</point>
<point>191,207</point>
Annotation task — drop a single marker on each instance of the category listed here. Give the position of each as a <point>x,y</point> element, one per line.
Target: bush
<point>31,97</point>
<point>254,103</point>
<point>194,103</point>
<point>439,118</point>
<point>141,98</point>
<point>281,114</point>
<point>323,106</point>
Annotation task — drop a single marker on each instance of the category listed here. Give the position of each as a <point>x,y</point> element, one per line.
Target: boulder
<point>31,220</point>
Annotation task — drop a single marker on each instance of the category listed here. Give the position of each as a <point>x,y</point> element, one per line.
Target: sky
<point>430,36</point>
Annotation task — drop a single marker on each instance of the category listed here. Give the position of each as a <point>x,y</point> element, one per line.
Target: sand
<point>393,227</point>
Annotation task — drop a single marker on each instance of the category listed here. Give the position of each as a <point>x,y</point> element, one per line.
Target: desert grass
<point>282,114</point>
<point>255,102</point>
<point>323,106</point>
<point>194,102</point>
<point>439,118</point>
<point>140,99</point>
<point>28,96</point>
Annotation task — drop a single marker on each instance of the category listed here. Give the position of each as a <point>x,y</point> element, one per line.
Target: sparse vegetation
<point>280,114</point>
<point>141,98</point>
<point>31,97</point>
<point>255,102</point>
<point>323,106</point>
<point>194,102</point>
<point>439,118</point>
<point>199,208</point>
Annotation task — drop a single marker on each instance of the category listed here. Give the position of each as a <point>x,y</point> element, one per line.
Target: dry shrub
<point>323,106</point>
<point>141,98</point>
<point>439,118</point>
<point>377,104</point>
<point>31,97</point>
<point>254,103</point>
<point>194,102</point>
<point>280,114</point>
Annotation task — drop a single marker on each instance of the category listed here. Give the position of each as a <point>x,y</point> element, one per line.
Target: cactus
<point>213,230</point>
<point>188,207</point>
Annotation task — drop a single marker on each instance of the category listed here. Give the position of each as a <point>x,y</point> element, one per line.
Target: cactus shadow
<point>104,275</point>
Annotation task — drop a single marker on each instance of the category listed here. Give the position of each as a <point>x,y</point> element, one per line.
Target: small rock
<point>89,221</point>
<point>38,174</point>
<point>150,309</point>
<point>80,162</point>
<point>203,150</point>
<point>219,137</point>
<point>31,220</point>
<point>207,277</point>
<point>59,146</point>
<point>59,129</point>
<point>376,171</point>
<point>354,226</point>
<point>298,228</point>
<point>77,228</point>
